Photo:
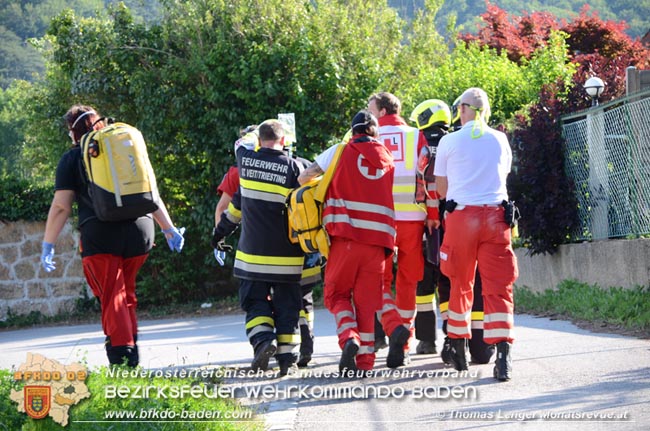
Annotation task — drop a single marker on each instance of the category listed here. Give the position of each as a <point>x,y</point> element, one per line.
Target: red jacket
<point>359,201</point>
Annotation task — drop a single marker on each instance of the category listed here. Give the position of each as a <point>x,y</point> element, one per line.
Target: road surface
<point>564,378</point>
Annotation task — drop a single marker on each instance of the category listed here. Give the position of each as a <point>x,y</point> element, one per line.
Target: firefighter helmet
<point>431,112</point>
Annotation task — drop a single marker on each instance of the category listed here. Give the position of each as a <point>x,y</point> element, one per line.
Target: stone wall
<point>24,285</point>
<point>607,263</point>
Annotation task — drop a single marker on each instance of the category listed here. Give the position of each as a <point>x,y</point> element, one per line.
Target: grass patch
<point>615,307</point>
<point>96,407</point>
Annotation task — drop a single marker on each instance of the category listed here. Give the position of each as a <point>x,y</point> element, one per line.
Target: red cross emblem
<point>367,170</point>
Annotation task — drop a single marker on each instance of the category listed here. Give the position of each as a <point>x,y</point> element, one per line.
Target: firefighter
<point>268,266</point>
<point>359,219</point>
<point>412,212</point>
<point>311,273</point>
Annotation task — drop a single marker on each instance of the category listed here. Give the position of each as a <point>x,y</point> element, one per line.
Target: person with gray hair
<point>471,168</point>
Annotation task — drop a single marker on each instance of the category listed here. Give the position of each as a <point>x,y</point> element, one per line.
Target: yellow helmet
<point>430,112</point>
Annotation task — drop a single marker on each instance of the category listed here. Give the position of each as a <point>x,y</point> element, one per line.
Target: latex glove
<point>175,238</point>
<point>47,255</point>
<point>312,259</point>
<point>220,255</point>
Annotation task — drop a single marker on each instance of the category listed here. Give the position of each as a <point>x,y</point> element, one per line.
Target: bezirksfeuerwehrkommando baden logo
<point>51,388</point>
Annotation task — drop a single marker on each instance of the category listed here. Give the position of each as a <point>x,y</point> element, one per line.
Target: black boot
<point>263,352</point>
<point>503,364</point>
<point>122,355</point>
<point>396,343</point>
<point>445,354</point>
<point>348,361</point>
<point>458,353</point>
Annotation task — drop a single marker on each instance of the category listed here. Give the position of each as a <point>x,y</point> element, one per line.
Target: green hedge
<point>22,200</point>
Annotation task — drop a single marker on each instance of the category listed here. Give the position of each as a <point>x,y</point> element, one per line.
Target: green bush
<point>22,200</point>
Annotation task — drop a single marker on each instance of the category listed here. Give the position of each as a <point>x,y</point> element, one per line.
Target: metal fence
<point>608,158</point>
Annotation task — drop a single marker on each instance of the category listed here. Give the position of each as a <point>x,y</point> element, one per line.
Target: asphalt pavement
<point>564,378</point>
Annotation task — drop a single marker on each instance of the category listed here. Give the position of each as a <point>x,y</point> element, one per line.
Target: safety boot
<point>445,354</point>
<point>396,343</point>
<point>263,353</point>
<point>287,367</point>
<point>458,353</point>
<point>503,363</point>
<point>380,343</point>
<point>348,359</point>
<point>426,348</point>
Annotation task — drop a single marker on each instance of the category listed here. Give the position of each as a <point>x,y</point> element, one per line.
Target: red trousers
<point>410,270</point>
<point>479,235</point>
<point>352,293</point>
<point>112,280</point>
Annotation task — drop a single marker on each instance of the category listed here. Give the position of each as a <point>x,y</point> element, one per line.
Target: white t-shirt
<point>476,168</point>
<point>324,159</point>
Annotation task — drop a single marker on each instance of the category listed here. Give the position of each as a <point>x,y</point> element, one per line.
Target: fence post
<point>598,175</point>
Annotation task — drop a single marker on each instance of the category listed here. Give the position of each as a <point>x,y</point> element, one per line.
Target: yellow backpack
<point>121,181</point>
<point>304,211</point>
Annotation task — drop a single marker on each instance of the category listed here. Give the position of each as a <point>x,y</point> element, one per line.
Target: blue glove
<point>220,255</point>
<point>312,259</point>
<point>46,257</point>
<point>176,241</point>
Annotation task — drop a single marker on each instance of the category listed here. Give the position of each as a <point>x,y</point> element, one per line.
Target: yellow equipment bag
<point>121,181</point>
<point>304,211</point>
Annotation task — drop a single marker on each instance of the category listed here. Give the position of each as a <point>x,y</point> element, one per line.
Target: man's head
<point>474,105</point>
<point>365,123</point>
<point>384,103</point>
<point>271,134</point>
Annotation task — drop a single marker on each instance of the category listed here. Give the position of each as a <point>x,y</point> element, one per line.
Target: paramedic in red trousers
<point>111,252</point>
<point>405,143</point>
<point>471,168</point>
<point>359,219</point>
<point>311,270</point>
<point>268,266</point>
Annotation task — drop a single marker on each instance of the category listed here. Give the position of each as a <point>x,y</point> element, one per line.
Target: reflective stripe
<point>360,206</point>
<point>270,260</point>
<point>258,329</point>
<point>366,350</point>
<point>463,317</point>
<point>421,308</point>
<point>498,333</point>
<point>425,299</point>
<point>359,224</point>
<point>233,214</point>
<point>263,187</point>
<point>308,272</point>
<point>266,269</point>
<point>309,316</point>
<point>289,338</point>
<point>409,150</point>
<point>404,180</point>
<point>345,326</point>
<point>477,315</point>
<point>303,321</point>
<point>263,196</point>
<point>444,306</point>
<point>477,324</point>
<point>459,330</point>
<point>288,348</point>
<point>342,314</point>
<point>406,314</point>
<point>259,320</point>
<point>388,307</point>
<point>368,337</point>
<point>499,317</point>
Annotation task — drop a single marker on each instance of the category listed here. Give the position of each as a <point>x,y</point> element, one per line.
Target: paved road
<point>565,378</point>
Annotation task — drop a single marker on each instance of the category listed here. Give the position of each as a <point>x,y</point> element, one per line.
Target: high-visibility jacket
<point>264,252</point>
<point>405,144</point>
<point>359,201</point>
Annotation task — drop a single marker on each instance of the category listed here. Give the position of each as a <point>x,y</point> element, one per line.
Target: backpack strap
<point>324,183</point>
